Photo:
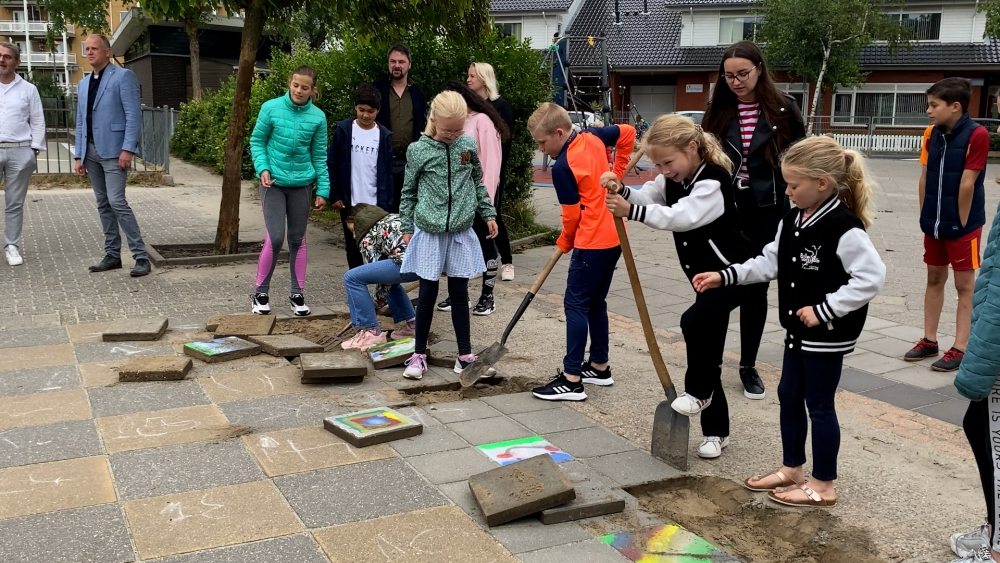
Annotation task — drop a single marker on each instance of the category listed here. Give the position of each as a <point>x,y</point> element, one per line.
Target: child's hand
<point>808,316</point>
<point>493,228</point>
<point>609,181</point>
<point>617,205</point>
<point>320,203</point>
<point>706,280</point>
<point>407,237</point>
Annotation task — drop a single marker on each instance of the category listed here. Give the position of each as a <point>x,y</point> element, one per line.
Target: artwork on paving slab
<point>372,426</point>
<point>669,543</point>
<point>391,353</point>
<point>512,451</point>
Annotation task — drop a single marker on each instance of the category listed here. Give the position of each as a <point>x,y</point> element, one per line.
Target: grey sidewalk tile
<point>858,381</point>
<point>921,375</point>
<point>39,380</point>
<point>299,548</point>
<point>460,494</point>
<point>51,442</point>
<point>489,430</point>
<point>952,410</point>
<point>875,363</point>
<point>519,402</point>
<point>179,469</point>
<point>528,534</point>
<point>21,338</point>
<point>420,415</point>
<point>432,440</point>
<point>128,398</point>
<point>357,492</point>
<point>283,411</point>
<point>451,466</point>
<point>866,336</point>
<point>629,469</point>
<point>905,396</point>
<point>887,346</point>
<point>903,332</point>
<point>590,442</point>
<point>950,391</point>
<point>94,533</point>
<point>875,323</point>
<point>554,420</point>
<point>111,351</point>
<point>590,551</point>
<point>461,411</point>
<point>770,353</point>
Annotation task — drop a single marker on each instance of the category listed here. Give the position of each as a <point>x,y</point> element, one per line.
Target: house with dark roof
<point>535,20</point>
<point>665,54</point>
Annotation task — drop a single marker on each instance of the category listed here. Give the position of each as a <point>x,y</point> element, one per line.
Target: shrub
<point>994,142</point>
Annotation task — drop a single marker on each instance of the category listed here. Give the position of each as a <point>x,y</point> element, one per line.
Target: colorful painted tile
<point>669,543</point>
<point>513,451</point>
<point>391,353</point>
<point>373,426</point>
<point>221,349</point>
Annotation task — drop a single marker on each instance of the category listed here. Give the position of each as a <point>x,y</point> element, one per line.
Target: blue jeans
<point>383,272</point>
<point>586,306</point>
<point>810,382</point>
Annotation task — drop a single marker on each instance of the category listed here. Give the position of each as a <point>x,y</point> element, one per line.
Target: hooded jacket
<point>338,162</point>
<point>289,142</point>
<point>981,363</point>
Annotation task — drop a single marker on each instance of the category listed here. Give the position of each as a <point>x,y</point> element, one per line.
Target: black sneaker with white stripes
<point>596,376</point>
<point>561,389</point>
<point>260,304</point>
<point>298,304</point>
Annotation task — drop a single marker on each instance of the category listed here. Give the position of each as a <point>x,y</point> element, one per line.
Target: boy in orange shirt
<point>589,232</point>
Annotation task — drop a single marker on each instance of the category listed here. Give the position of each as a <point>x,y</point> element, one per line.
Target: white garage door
<point>653,101</point>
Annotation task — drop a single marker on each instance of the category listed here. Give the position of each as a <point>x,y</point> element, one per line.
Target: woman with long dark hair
<point>756,123</point>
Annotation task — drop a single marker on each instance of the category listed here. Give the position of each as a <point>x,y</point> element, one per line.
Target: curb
<point>159,261</point>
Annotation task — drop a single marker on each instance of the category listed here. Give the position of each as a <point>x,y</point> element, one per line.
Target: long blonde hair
<point>446,105</point>
<point>679,131</point>
<point>485,73</point>
<point>823,157</point>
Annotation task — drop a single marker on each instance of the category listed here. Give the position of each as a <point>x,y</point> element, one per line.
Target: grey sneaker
<point>964,545</point>
<point>982,555</point>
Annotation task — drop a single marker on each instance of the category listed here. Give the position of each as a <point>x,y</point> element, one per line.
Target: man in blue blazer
<point>108,123</point>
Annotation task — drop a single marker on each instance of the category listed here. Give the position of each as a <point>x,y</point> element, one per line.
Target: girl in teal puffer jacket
<point>442,191</point>
<point>288,145</point>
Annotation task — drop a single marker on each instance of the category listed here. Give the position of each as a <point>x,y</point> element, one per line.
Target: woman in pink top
<point>486,126</point>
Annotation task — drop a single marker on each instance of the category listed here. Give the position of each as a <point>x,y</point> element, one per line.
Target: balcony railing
<point>34,27</point>
<point>48,58</point>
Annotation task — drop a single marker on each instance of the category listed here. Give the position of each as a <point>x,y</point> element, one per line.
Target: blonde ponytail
<point>446,105</point>
<point>845,169</point>
<point>679,132</point>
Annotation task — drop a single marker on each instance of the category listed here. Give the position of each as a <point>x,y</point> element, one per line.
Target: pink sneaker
<point>416,367</point>
<point>403,332</point>
<point>364,340</point>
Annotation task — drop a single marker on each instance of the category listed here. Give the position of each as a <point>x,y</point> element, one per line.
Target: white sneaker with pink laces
<point>364,340</point>
<point>416,367</point>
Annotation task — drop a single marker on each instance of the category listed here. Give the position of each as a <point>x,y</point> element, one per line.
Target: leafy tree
<point>192,15</point>
<point>822,39</point>
<point>992,10</point>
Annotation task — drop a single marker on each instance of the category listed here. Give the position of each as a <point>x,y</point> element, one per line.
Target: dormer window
<point>739,28</point>
<point>924,26</point>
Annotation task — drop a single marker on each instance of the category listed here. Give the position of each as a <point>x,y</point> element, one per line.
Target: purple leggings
<point>280,203</point>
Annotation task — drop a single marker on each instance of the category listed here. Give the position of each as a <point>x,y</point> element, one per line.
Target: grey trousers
<point>109,188</point>
<point>16,166</point>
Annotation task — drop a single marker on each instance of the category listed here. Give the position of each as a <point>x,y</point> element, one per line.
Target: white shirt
<point>21,116</point>
<point>364,165</point>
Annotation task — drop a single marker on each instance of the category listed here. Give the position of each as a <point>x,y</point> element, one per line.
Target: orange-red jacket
<point>576,174</point>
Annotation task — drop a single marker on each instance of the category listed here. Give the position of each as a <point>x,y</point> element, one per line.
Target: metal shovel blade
<point>671,431</point>
<point>485,360</point>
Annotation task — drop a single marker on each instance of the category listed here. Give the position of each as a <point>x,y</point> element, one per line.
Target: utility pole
<point>27,35</point>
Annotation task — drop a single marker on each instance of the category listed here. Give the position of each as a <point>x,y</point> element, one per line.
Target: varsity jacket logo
<point>809,258</point>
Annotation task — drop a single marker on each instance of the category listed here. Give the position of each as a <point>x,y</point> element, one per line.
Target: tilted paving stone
<point>342,364</point>
<point>285,345</point>
<point>243,326</point>
<point>127,330</point>
<point>221,349</point>
<point>596,495</point>
<point>519,489</point>
<point>155,368</point>
<point>630,469</point>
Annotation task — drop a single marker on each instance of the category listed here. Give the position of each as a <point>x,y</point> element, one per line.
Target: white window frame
<point>875,88</point>
<point>737,15</point>
<point>121,16</point>
<point>518,22</point>
<point>922,10</point>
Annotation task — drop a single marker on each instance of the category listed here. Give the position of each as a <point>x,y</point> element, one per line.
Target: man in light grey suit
<point>108,123</point>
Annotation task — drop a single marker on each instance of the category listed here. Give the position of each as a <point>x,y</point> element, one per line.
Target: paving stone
<point>57,485</point>
<point>425,536</point>
<point>38,380</point>
<point>517,403</point>
<point>951,411</point>
<point>221,349</point>
<point>165,428</point>
<point>117,353</point>
<point>950,391</point>
<point>98,374</point>
<point>315,312</point>
<point>664,542</point>
<point>243,326</point>
<point>357,492</point>
<point>155,368</point>
<point>37,357</point>
<point>529,534</point>
<point>145,396</point>
<point>902,332</point>
<point>488,430</point>
<point>384,397</point>
<point>905,396</point>
<point>875,363</point>
<point>282,412</point>
<point>588,551</point>
<point>461,411</point>
<point>372,426</point>
<point>430,382</point>
<point>127,330</point>
<point>87,332</point>
<point>307,449</point>
<point>256,362</point>
<point>590,442</point>
<point>432,440</point>
<point>179,523</point>
<point>519,489</point>
<point>554,420</point>
<point>94,533</point>
<point>178,469</point>
<point>254,384</point>
<point>19,338</point>
<point>857,381</point>
<point>875,323</point>
<point>299,548</point>
<point>920,375</point>
<point>630,469</point>
<point>450,466</point>
<point>285,345</point>
<point>595,496</point>
<point>51,442</point>
<point>442,353</point>
<point>333,365</point>
<point>43,408</point>
<point>392,353</point>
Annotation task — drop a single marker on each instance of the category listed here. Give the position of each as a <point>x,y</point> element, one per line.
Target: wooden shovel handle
<point>556,255</point>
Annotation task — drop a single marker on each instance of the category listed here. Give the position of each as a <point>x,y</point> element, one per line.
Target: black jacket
<point>507,114</point>
<point>338,161</point>
<point>765,179</point>
<point>419,107</point>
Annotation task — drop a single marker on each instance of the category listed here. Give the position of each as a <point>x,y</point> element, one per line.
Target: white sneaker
<point>507,272</point>
<point>981,555</point>
<point>416,367</point>
<point>690,406</point>
<point>711,447</point>
<point>260,304</point>
<point>298,305</point>
<point>461,364</point>
<point>13,257</point>
<point>964,545</point>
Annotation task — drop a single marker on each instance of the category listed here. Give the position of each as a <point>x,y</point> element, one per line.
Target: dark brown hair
<point>478,104</point>
<point>951,90</point>
<point>368,95</point>
<point>722,107</point>
<point>399,48</point>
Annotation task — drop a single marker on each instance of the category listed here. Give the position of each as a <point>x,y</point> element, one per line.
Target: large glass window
<point>875,108</point>
<point>880,108</point>
<point>842,108</point>
<point>739,28</point>
<point>510,29</point>
<point>922,26</point>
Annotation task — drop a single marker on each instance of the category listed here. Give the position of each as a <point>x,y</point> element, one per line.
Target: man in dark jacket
<point>404,113</point>
<point>360,164</point>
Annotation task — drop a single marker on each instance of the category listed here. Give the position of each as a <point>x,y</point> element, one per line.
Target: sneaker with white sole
<point>507,272</point>
<point>690,406</point>
<point>595,376</point>
<point>299,307</point>
<point>561,389</point>
<point>711,447</point>
<point>964,545</point>
<point>364,340</point>
<point>485,306</point>
<point>446,305</point>
<point>405,331</point>
<point>461,364</point>
<point>260,304</point>
<point>981,555</point>
<point>416,367</point>
<point>13,256</point>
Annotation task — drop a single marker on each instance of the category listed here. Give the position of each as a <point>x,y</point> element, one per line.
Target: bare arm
<point>922,187</point>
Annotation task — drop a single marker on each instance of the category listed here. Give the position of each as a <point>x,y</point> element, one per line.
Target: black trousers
<point>503,239</point>
<point>397,188</point>
<point>489,249</point>
<point>354,258</point>
<point>458,289</point>
<point>979,426</point>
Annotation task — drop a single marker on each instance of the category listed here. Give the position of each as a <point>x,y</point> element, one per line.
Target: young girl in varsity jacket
<point>827,272</point>
<point>692,198</point>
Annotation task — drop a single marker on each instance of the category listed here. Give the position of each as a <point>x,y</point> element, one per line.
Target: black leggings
<point>489,256</point>
<point>503,239</point>
<point>978,428</point>
<point>458,289</point>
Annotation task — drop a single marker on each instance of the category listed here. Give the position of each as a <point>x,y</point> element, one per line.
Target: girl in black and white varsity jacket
<point>692,197</point>
<point>827,272</point>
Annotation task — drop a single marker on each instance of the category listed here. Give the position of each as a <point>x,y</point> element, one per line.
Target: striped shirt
<point>748,112</point>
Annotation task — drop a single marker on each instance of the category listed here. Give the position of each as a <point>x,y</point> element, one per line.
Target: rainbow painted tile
<point>669,543</point>
<point>513,451</point>
<point>372,426</point>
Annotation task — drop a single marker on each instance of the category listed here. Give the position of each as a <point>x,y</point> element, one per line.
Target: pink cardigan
<point>481,128</point>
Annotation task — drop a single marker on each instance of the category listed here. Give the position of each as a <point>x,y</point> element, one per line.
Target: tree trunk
<point>227,234</point>
<point>195,48</point>
<point>819,91</point>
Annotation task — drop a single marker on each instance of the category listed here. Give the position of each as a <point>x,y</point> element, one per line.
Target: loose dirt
<point>193,251</point>
<point>497,386</point>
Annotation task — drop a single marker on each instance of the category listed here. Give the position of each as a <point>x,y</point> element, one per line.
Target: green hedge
<point>200,132</point>
<point>994,142</point>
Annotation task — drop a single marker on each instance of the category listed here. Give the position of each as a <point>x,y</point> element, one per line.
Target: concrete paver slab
<point>432,440</point>
<point>51,442</point>
<point>518,403</point>
<point>590,442</point>
<point>243,326</point>
<point>37,357</point>
<point>596,495</point>
<point>666,541</point>
<point>87,332</point>
<point>178,469</point>
<point>950,391</point>
<point>285,345</point>
<point>198,520</point>
<point>57,485</point>
<point>903,332</point>
<point>451,466</point>
<point>372,426</point>
<point>887,346</point>
<point>20,338</point>
<point>253,384</point>
<point>126,330</point>
<point>442,353</point>
<point>588,551</point>
<point>165,428</point>
<point>155,368</point>
<point>43,408</point>
<point>282,412</point>
<point>553,420</point>
<point>117,353</point>
<point>488,430</point>
<point>920,374</point>
<point>357,492</point>
<point>462,411</point>
<point>333,365</point>
<point>221,349</point>
<point>129,398</point>
<point>529,534</point>
<point>519,489</point>
<point>307,449</point>
<point>38,380</point>
<point>420,415</point>
<point>93,533</point>
<point>431,381</point>
<point>300,548</point>
<point>425,536</point>
<point>905,396</point>
<point>630,469</point>
<point>875,363</point>
<point>857,381</point>
<point>99,374</point>
<point>952,410</point>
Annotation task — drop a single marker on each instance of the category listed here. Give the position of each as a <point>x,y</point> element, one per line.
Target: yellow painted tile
<point>165,428</point>
<point>59,485</point>
<point>99,374</point>
<point>37,357</point>
<point>43,408</point>
<point>254,384</point>
<point>307,449</point>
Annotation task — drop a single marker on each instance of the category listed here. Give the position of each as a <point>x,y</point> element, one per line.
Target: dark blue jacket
<point>338,161</point>
<point>946,152</point>
<point>419,107</point>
